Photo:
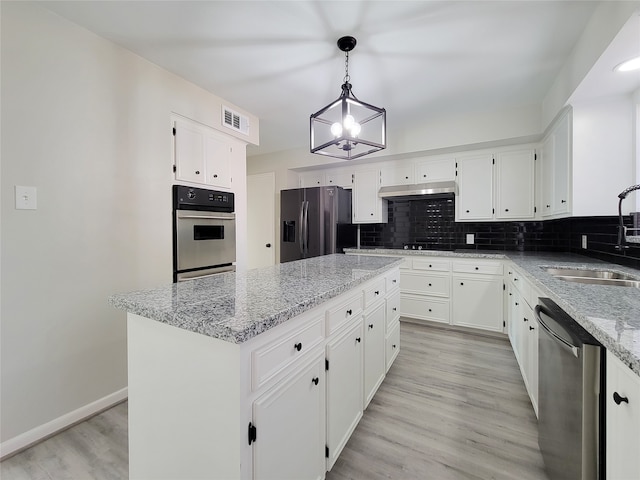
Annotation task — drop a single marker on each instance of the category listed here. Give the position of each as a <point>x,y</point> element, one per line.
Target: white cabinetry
<point>341,178</point>
<point>515,172</point>
<point>436,170</point>
<point>425,289</point>
<point>204,155</point>
<point>344,388</point>
<point>522,298</point>
<point>477,295</point>
<point>374,325</point>
<point>623,421</point>
<point>291,417</point>
<point>475,185</point>
<point>312,179</point>
<point>367,207</point>
<point>399,174</point>
<point>556,168</point>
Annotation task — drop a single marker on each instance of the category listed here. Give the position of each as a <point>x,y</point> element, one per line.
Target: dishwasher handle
<point>575,350</point>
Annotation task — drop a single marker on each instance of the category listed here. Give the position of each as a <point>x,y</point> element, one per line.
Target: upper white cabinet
<point>312,179</point>
<point>367,206</point>
<point>515,172</point>
<point>475,185</point>
<point>399,174</point>
<point>436,170</point>
<point>341,178</point>
<point>556,169</point>
<point>204,155</point>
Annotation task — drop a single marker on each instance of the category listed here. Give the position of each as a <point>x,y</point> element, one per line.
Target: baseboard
<point>25,440</point>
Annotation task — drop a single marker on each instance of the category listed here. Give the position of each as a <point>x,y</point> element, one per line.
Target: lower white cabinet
<point>374,354</point>
<point>477,302</point>
<point>623,421</point>
<point>392,348</point>
<point>291,417</point>
<point>345,388</point>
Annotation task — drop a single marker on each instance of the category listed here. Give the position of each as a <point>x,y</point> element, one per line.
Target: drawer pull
<point>394,345</point>
<point>358,339</point>
<point>477,268</point>
<point>429,284</point>
<point>430,266</point>
<point>377,292</point>
<point>525,319</point>
<point>315,380</point>
<point>349,312</point>
<point>429,309</point>
<point>531,328</point>
<point>618,399</point>
<point>370,326</point>
<point>394,309</point>
<point>394,281</point>
<point>298,346</point>
<point>517,304</point>
<point>461,283</point>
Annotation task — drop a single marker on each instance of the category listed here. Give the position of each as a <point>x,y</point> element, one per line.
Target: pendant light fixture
<point>348,128</point>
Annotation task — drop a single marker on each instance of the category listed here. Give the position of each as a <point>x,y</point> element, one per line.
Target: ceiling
<point>279,59</point>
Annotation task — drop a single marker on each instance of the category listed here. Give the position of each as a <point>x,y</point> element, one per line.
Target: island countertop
<point>610,313</point>
<point>237,306</point>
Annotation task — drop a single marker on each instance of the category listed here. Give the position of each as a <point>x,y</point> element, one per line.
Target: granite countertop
<point>611,314</point>
<point>236,307</point>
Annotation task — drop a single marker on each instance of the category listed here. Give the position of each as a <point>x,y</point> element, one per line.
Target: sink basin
<point>595,277</point>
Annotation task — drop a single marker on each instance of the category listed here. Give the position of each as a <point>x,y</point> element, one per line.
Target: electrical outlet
<point>26,198</point>
<point>471,239</point>
<point>584,241</point>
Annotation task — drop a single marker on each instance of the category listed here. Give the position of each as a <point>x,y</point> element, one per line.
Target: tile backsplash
<point>431,220</point>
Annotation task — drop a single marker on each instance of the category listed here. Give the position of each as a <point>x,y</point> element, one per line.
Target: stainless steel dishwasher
<point>570,396</point>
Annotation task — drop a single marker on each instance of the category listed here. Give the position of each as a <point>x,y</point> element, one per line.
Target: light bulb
<point>348,121</point>
<point>629,65</point>
<point>355,129</point>
<point>336,129</point>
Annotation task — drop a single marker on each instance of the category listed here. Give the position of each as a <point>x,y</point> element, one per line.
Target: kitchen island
<point>259,374</point>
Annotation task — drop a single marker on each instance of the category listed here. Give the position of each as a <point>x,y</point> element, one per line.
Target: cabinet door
<point>561,166</point>
<point>515,172</point>
<point>374,357</point>
<point>515,322</point>
<point>312,179</point>
<point>217,159</point>
<point>189,153</point>
<point>475,185</point>
<point>477,302</point>
<point>436,170</point>
<point>344,388</point>
<point>290,423</point>
<point>392,347</point>
<point>397,175</point>
<point>340,178</point>
<point>623,421</point>
<point>367,207</point>
<point>547,175</point>
<point>531,331</point>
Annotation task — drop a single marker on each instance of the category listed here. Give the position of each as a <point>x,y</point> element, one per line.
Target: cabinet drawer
<point>374,292</point>
<point>422,283</point>
<point>272,358</point>
<point>483,267</point>
<point>435,264</point>
<point>392,347</point>
<point>347,310</point>
<point>424,308</point>
<point>392,280</point>
<point>393,308</point>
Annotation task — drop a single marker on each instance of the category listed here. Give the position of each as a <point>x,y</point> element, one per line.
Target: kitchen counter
<point>611,314</point>
<point>236,307</point>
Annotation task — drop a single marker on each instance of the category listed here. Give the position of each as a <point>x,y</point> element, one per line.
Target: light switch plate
<point>471,239</point>
<point>26,198</point>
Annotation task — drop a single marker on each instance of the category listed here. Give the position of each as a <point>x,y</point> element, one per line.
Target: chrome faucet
<point>622,230</point>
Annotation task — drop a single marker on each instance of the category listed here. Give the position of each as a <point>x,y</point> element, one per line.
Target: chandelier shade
<point>348,128</point>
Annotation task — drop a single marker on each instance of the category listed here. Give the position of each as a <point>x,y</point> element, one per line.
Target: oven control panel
<point>192,198</point>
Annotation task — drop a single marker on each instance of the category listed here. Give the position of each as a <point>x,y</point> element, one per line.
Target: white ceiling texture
<point>279,59</point>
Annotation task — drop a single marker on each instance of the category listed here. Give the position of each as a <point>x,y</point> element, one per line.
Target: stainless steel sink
<point>595,277</point>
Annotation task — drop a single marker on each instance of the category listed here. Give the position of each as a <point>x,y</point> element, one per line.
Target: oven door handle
<point>575,350</point>
<point>209,217</point>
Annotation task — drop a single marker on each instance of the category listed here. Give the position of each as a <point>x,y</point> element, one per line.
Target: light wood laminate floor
<point>453,406</point>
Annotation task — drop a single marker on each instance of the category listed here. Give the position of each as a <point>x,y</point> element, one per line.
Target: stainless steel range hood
<point>419,189</point>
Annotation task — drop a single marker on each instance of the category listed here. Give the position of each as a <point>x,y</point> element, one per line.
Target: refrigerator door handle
<point>301,228</point>
<point>306,227</point>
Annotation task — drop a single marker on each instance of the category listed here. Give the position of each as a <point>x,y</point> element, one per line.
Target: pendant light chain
<point>346,68</point>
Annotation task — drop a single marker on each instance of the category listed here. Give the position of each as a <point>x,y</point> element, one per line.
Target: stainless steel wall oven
<point>204,232</point>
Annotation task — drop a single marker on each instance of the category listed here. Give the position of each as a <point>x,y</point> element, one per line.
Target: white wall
<point>88,124</point>
<point>603,155</point>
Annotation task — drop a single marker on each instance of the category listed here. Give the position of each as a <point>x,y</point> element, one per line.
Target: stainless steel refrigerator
<point>315,221</point>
